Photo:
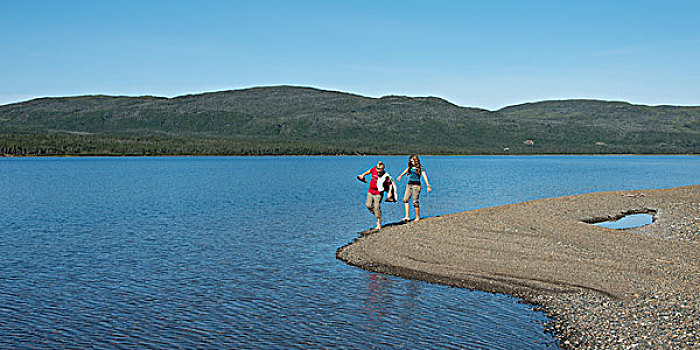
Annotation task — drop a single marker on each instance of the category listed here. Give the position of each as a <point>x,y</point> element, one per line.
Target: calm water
<point>218,253</point>
<point>628,221</point>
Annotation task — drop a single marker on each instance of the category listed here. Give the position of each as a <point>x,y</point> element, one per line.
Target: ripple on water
<point>240,252</point>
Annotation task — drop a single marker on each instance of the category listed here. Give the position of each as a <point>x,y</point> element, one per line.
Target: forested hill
<point>297,120</point>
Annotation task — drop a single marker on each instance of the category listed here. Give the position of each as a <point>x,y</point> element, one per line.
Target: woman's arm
<point>425,177</point>
<point>402,174</point>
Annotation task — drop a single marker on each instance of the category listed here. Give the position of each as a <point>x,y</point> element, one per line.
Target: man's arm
<point>361,177</point>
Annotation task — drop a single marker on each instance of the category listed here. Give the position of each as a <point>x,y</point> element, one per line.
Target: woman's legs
<point>412,193</point>
<point>406,198</point>
<point>415,193</point>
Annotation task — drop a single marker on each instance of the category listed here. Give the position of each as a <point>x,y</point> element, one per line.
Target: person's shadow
<point>397,223</point>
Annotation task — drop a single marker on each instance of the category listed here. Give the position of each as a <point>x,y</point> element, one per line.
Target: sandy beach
<point>636,288</point>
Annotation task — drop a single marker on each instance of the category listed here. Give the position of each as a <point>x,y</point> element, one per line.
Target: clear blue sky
<point>474,53</point>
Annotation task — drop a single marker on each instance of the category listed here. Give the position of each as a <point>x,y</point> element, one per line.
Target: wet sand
<point>635,288</point>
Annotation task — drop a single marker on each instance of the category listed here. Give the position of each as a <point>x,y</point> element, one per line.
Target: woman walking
<point>415,171</point>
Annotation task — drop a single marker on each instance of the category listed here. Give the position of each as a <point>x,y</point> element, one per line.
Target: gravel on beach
<point>636,288</point>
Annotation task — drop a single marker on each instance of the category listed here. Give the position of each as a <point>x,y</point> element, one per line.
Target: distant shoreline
<point>603,288</point>
<point>338,155</point>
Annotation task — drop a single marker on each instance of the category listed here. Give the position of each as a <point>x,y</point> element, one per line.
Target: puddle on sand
<point>628,221</point>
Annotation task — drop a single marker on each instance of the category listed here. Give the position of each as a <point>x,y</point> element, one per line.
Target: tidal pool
<point>628,221</point>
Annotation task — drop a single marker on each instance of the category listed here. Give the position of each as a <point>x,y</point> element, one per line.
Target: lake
<point>239,252</point>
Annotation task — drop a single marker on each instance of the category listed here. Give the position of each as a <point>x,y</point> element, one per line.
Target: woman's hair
<point>417,162</point>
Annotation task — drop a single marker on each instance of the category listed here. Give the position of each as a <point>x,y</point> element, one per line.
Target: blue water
<point>211,253</point>
<point>628,221</point>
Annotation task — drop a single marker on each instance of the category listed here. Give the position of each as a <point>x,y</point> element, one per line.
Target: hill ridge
<point>289,119</point>
<point>311,88</point>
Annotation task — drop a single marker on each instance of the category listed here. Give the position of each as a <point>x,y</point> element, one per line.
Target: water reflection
<point>375,301</point>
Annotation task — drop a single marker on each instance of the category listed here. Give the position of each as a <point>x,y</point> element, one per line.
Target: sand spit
<point>605,289</point>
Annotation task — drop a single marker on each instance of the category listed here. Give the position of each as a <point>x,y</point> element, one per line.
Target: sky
<point>487,54</point>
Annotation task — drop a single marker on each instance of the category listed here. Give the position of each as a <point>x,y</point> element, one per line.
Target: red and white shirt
<point>373,182</point>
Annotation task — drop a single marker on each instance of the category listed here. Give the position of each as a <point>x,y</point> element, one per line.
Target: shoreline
<point>347,155</point>
<point>602,288</point>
